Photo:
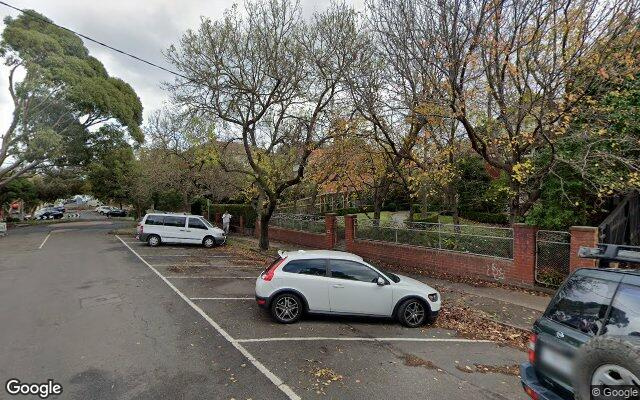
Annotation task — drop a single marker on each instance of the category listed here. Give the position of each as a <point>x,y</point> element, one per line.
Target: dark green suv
<point>588,339</point>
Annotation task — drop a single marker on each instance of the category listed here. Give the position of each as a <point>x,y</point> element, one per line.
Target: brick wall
<point>520,270</point>
<point>582,236</point>
<point>325,240</point>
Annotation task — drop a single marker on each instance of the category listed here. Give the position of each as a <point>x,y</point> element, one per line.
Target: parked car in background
<point>335,282</point>
<point>589,336</point>
<point>116,212</point>
<point>48,213</point>
<point>60,208</point>
<point>103,209</point>
<point>158,228</point>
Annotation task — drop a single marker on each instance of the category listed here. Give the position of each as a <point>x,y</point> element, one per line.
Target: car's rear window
<point>582,303</point>
<point>154,220</point>
<point>306,267</point>
<point>624,318</point>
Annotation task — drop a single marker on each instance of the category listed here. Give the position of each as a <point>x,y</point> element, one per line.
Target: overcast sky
<point>144,28</point>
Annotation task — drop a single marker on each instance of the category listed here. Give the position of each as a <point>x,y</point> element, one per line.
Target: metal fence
<point>299,222</point>
<point>553,249</point>
<point>472,239</point>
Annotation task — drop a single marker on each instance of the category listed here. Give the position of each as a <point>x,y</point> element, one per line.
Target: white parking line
<point>45,240</point>
<point>210,277</point>
<point>183,255</point>
<point>362,339</point>
<point>264,370</point>
<point>181,265</point>
<point>222,298</point>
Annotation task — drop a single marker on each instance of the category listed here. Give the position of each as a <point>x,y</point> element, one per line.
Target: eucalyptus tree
<point>64,93</point>
<point>273,82</point>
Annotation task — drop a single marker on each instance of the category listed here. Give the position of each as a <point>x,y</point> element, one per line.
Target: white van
<point>157,228</point>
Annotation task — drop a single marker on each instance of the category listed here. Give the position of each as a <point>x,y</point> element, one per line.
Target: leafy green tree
<point>64,93</point>
<point>19,189</point>
<point>111,174</point>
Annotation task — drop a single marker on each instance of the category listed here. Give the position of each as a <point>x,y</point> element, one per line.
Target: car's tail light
<point>267,275</point>
<point>531,392</point>
<point>532,347</point>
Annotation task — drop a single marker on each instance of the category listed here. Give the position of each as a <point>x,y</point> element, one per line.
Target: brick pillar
<point>330,230</point>
<point>256,229</point>
<point>241,223</point>
<point>524,253</point>
<point>218,218</point>
<point>350,222</point>
<point>582,236</point>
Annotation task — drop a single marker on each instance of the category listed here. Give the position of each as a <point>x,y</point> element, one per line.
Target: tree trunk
<point>265,217</point>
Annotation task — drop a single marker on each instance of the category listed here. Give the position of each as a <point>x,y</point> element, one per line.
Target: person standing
<point>226,218</point>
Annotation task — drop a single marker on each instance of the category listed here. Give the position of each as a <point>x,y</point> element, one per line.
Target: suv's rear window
<point>154,220</point>
<point>581,302</point>
<point>624,318</point>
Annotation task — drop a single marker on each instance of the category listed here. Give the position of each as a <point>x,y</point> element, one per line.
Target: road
<point>109,318</point>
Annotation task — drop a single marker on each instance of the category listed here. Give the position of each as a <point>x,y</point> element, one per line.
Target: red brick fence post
<point>582,236</point>
<point>330,230</point>
<point>350,222</point>
<point>524,253</point>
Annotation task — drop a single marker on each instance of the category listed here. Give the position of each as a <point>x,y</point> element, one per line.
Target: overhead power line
<point>142,60</point>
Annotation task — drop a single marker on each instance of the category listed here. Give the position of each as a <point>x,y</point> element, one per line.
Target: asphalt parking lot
<point>111,318</point>
<point>332,357</point>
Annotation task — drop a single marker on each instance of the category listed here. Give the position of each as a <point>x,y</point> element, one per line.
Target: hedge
<point>486,217</point>
<point>246,210</point>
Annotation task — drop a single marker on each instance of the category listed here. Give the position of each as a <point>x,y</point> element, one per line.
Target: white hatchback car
<point>334,282</point>
<point>160,228</point>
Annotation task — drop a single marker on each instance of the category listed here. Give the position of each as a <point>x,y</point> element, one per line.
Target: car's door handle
<point>183,230</point>
<point>338,286</point>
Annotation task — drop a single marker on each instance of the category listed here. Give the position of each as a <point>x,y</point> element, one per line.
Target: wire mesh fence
<point>299,222</point>
<point>553,249</point>
<point>340,228</point>
<point>473,239</point>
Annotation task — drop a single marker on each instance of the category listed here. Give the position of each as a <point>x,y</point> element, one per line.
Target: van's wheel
<point>608,361</point>
<point>286,308</point>
<point>208,242</point>
<point>153,240</point>
<point>412,313</point>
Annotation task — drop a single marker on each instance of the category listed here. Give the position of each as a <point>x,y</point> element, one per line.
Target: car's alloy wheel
<point>286,308</point>
<point>614,375</point>
<point>208,242</point>
<point>154,240</point>
<point>412,313</point>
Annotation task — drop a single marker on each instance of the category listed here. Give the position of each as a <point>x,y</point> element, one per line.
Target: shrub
<point>486,217</point>
<point>430,217</point>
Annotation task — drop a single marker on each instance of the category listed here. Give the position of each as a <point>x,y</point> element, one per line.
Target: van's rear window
<point>154,220</point>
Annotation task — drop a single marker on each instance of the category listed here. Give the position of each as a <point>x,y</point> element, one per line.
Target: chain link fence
<point>299,222</point>
<point>473,239</point>
<point>553,249</point>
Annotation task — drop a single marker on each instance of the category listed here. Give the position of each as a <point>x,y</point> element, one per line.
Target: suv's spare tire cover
<point>623,351</point>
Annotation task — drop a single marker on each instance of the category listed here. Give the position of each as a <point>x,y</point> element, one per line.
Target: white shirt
<point>226,217</point>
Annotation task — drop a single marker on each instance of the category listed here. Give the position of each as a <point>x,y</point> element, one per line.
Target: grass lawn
<point>385,216</point>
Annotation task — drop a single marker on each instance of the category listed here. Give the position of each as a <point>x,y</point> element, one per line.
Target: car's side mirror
<point>380,281</point>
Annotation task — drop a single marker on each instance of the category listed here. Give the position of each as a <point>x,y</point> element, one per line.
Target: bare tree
<point>273,82</point>
<point>513,73</point>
